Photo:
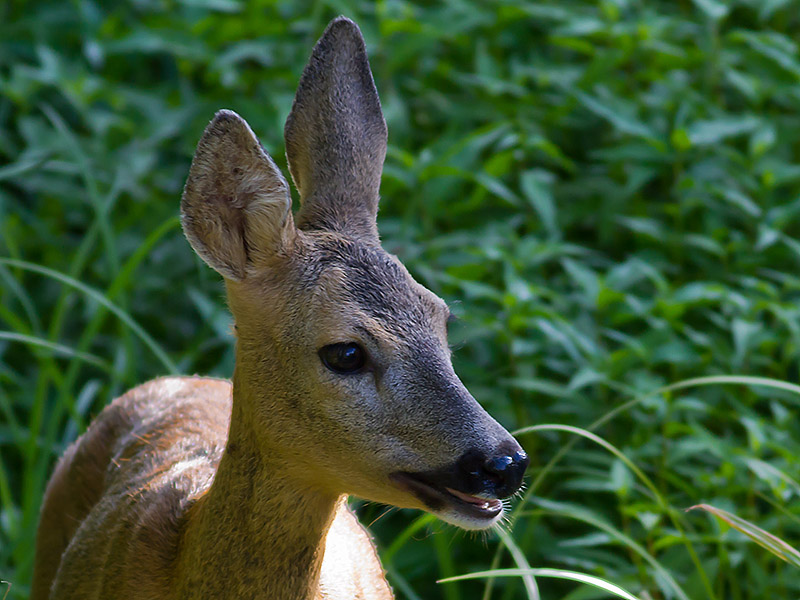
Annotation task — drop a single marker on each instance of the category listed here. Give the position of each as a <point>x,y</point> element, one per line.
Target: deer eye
<point>346,357</point>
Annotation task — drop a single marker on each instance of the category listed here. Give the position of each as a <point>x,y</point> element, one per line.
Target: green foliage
<point>608,193</point>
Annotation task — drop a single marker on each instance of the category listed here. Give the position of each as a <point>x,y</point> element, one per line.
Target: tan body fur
<point>189,488</point>
<point>139,478</point>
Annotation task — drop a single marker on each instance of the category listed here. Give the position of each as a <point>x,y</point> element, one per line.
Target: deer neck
<point>258,532</point>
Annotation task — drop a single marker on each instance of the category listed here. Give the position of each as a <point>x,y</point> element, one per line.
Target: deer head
<point>343,374</point>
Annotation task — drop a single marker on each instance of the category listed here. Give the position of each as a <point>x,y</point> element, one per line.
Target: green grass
<point>607,193</point>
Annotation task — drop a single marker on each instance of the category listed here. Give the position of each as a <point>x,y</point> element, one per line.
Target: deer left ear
<point>236,207</point>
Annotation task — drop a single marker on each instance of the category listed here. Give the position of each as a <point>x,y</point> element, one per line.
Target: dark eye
<point>346,357</point>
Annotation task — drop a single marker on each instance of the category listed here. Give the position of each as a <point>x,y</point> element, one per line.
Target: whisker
<point>383,514</point>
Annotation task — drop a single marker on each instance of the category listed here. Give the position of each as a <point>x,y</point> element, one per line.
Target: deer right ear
<point>336,136</point>
<point>236,207</point>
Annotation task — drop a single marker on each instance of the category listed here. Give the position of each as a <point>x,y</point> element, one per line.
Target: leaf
<point>587,279</point>
<point>585,377</point>
<point>775,47</point>
<point>782,484</point>
<point>770,7</point>
<point>496,187</point>
<point>548,388</point>
<point>537,185</point>
<point>620,478</point>
<point>597,582</point>
<point>625,124</point>
<point>763,139</point>
<point>20,167</point>
<point>705,133</point>
<point>744,332</point>
<point>740,200</point>
<point>766,540</point>
<point>227,6</point>
<point>713,9</point>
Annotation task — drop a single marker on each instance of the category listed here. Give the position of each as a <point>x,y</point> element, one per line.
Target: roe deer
<point>190,487</point>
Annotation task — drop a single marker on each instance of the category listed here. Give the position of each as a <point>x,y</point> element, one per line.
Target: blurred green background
<point>607,193</point>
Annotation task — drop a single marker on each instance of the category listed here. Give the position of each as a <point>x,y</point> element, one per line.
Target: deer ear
<point>236,207</point>
<point>336,135</point>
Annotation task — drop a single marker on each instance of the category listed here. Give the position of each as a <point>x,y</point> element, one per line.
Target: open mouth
<point>441,498</point>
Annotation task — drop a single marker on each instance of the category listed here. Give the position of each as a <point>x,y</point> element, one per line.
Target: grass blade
<point>668,510</point>
<point>597,582</point>
<point>405,535</point>
<point>573,512</point>
<point>54,347</point>
<point>101,299</point>
<point>763,538</point>
<point>623,408</point>
<point>519,557</point>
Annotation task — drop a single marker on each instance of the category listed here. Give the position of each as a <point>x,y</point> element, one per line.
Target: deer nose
<point>507,471</point>
<point>499,475</point>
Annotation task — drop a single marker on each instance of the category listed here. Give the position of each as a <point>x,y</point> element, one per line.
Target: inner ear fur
<point>236,206</point>
<point>336,136</point>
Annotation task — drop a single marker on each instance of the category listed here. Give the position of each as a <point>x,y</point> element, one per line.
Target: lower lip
<point>490,505</point>
<point>473,506</point>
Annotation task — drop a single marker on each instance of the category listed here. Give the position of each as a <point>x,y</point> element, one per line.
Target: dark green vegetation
<point>607,192</point>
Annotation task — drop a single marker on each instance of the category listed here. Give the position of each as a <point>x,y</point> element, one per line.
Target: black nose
<point>499,475</point>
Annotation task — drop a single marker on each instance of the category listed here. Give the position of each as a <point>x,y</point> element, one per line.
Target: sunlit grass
<point>766,540</point>
<point>597,582</point>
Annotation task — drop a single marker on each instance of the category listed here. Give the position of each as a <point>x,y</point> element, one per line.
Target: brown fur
<point>192,488</point>
<point>156,451</point>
